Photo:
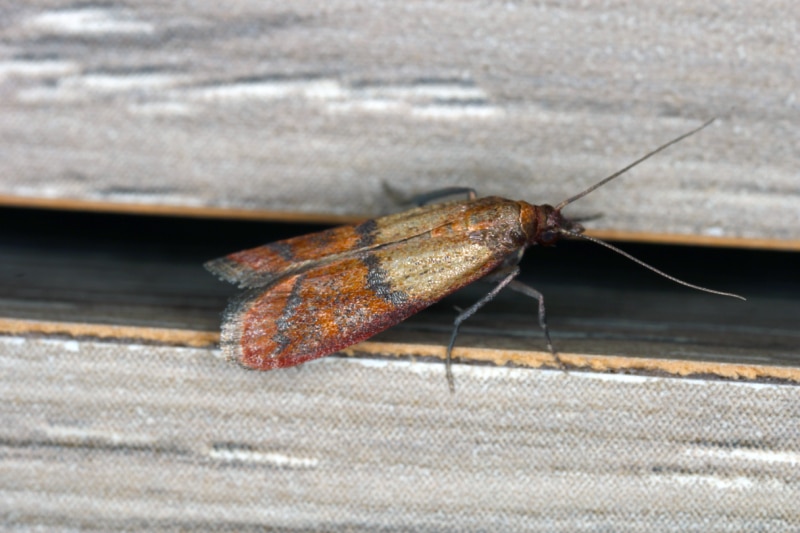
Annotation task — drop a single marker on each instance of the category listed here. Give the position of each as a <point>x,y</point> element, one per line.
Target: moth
<point>313,295</point>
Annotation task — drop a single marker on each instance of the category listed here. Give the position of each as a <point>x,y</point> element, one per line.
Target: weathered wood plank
<point>102,436</point>
<point>302,107</point>
<point>236,109</point>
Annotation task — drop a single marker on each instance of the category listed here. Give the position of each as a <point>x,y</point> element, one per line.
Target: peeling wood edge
<point>99,206</point>
<point>595,363</point>
<point>123,208</point>
<point>82,330</point>
<point>695,240</point>
<point>520,358</point>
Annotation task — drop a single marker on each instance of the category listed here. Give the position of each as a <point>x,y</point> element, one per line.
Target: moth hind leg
<point>436,195</point>
<point>430,197</point>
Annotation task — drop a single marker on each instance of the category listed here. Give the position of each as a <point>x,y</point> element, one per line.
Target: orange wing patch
<point>308,315</point>
<point>262,265</point>
<point>336,304</point>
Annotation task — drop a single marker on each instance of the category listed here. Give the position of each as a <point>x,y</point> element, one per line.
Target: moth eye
<point>548,236</point>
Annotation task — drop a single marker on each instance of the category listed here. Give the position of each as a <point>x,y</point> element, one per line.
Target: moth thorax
<point>536,222</point>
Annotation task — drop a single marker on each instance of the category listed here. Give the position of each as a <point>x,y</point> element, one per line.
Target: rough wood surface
<point>315,107</point>
<point>101,436</point>
<point>114,412</point>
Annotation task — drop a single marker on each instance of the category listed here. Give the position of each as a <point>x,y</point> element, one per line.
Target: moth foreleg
<point>527,290</point>
<point>506,277</point>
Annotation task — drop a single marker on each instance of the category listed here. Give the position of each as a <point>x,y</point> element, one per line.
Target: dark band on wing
<point>284,323</point>
<point>283,250</point>
<point>378,281</point>
<point>366,233</point>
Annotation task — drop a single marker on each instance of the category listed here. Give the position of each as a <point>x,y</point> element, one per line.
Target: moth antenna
<point>649,267</point>
<point>618,173</point>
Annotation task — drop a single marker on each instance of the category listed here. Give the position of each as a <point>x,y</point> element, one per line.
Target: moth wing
<point>260,266</point>
<point>335,304</point>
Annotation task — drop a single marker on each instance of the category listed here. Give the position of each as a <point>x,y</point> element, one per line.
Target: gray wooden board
<point>315,107</point>
<point>103,436</point>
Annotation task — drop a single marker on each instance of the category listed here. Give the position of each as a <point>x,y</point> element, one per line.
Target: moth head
<point>556,225</point>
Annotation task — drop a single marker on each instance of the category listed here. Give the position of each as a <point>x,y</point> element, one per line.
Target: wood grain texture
<point>301,107</point>
<point>115,413</point>
<point>66,331</point>
<point>127,437</point>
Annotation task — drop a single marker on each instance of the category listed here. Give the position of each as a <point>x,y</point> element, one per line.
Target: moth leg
<point>438,194</point>
<point>527,290</point>
<point>471,310</point>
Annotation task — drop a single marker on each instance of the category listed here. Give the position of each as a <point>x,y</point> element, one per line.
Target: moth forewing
<point>337,300</point>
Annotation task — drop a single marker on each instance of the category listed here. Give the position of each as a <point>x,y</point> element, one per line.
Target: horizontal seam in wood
<point>328,218</point>
<point>530,359</point>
